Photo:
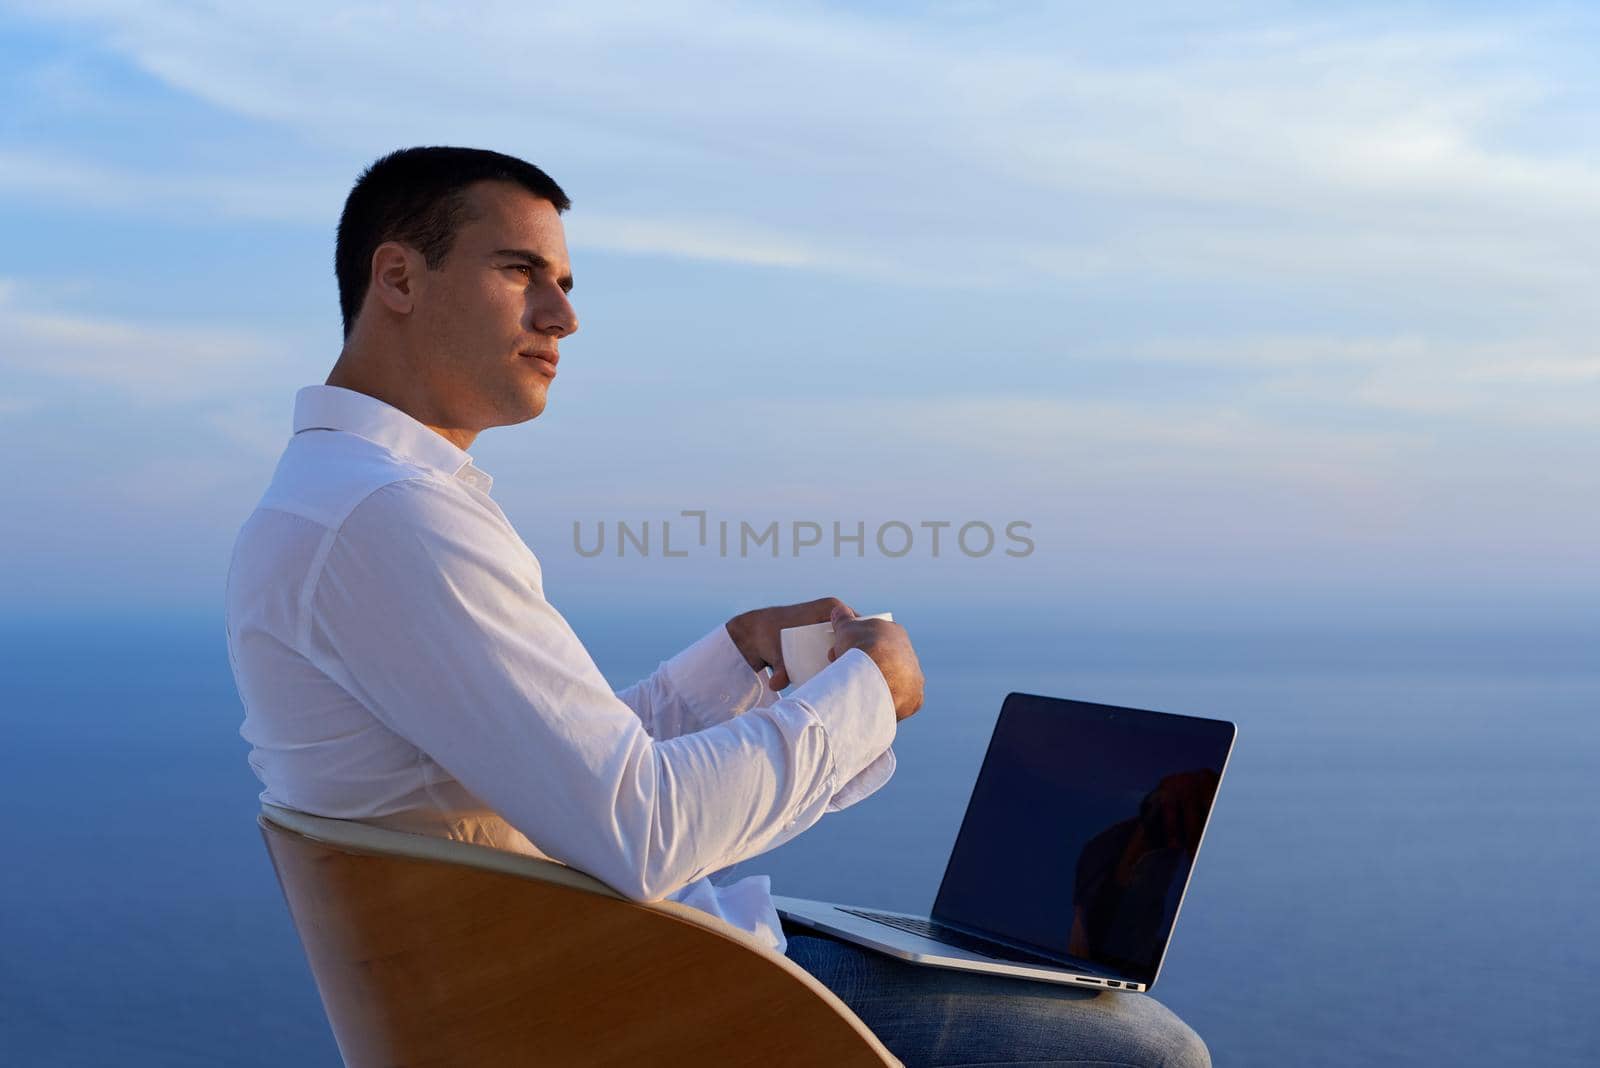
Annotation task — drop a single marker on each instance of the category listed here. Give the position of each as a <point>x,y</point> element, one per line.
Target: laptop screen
<point>1083,828</point>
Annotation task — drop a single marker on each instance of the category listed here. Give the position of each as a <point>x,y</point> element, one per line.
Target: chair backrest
<point>428,951</point>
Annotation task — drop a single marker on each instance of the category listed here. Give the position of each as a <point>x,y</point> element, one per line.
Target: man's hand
<point>889,647</point>
<point>755,633</point>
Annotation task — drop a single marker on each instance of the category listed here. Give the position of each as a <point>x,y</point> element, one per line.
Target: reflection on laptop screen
<point>1083,828</point>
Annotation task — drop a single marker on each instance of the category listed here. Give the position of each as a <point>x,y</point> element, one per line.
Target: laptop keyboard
<point>950,936</point>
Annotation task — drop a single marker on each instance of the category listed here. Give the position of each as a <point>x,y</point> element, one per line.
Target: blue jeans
<point>937,1016</point>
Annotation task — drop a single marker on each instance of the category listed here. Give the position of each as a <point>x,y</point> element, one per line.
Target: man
<point>399,663</point>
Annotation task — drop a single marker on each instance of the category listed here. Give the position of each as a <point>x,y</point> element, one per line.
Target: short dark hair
<point>417,196</point>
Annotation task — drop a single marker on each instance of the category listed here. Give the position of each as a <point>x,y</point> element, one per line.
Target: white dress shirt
<point>398,663</point>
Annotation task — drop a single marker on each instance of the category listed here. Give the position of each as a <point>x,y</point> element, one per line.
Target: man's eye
<point>523,267</point>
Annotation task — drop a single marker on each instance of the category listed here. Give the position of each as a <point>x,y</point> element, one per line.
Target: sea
<point>1403,866</point>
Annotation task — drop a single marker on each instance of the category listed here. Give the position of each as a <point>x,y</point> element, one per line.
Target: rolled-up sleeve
<point>429,609</point>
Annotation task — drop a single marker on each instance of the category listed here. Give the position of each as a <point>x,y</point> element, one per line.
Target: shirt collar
<point>336,408</point>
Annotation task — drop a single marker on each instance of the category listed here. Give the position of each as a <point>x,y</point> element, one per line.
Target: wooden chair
<point>428,951</point>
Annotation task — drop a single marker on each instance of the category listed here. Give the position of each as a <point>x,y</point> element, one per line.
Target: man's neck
<point>347,373</point>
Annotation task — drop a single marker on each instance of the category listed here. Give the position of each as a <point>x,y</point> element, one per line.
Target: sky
<point>1279,312</point>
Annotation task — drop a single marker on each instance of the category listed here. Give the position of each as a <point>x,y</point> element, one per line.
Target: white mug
<point>805,649</point>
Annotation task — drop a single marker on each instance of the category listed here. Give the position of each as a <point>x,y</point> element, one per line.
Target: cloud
<point>1379,148</point>
<point>1062,436</point>
<point>150,364</point>
<point>1545,382</point>
<point>48,177</point>
<point>700,240</point>
<point>1375,226</point>
<point>56,177</point>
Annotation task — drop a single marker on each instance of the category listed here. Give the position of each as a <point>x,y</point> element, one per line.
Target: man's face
<point>495,305</point>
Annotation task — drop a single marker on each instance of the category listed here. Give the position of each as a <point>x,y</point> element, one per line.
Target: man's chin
<point>535,405</point>
<point>526,409</point>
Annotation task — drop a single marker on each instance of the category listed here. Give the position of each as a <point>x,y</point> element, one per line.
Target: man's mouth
<point>549,359</point>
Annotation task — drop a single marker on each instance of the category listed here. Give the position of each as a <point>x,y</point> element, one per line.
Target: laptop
<point>1075,852</point>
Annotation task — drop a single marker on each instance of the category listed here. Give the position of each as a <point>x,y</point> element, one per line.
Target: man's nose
<point>555,316</point>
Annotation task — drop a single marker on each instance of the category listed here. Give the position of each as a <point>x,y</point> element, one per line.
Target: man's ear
<point>396,276</point>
